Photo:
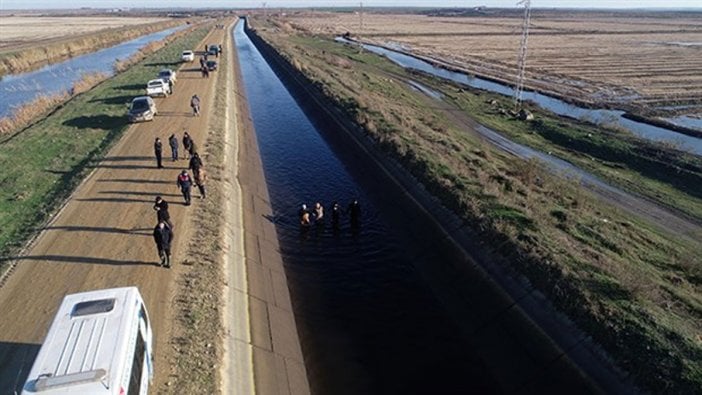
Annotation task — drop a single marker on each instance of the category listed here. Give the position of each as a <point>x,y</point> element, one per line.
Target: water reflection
<point>552,104</point>
<point>367,320</point>
<point>18,89</point>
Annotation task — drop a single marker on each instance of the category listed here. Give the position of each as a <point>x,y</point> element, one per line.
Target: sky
<point>44,4</point>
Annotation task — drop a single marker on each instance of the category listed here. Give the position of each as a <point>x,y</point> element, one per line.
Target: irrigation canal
<point>18,89</point>
<point>557,106</point>
<point>380,308</point>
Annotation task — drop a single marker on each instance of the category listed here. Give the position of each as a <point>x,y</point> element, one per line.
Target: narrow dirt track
<point>102,237</point>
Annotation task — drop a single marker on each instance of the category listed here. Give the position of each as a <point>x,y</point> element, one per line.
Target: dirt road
<point>102,237</point>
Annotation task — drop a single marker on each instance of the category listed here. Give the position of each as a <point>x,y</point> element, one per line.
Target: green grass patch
<point>635,288</point>
<point>44,163</point>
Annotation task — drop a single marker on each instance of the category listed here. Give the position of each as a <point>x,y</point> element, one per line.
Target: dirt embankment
<point>628,322</point>
<point>55,50</point>
<point>102,237</point>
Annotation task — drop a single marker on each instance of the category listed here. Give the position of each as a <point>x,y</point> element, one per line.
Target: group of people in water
<point>316,216</point>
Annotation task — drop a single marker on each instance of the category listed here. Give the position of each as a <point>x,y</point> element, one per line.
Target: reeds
<point>32,58</point>
<point>27,113</point>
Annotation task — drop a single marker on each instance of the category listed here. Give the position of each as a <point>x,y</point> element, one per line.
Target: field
<point>24,31</point>
<point>618,59</point>
<point>633,287</point>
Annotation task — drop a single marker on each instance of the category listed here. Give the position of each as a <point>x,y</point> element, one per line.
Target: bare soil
<point>648,59</point>
<point>102,237</point>
<point>21,31</point>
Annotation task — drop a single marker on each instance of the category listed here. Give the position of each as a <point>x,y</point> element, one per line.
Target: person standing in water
<point>354,211</point>
<point>318,213</point>
<point>304,216</point>
<point>336,214</point>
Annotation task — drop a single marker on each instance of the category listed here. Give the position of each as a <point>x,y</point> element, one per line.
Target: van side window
<point>137,367</point>
<point>142,315</point>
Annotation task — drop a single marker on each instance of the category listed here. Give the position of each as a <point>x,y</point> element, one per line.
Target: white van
<point>99,343</point>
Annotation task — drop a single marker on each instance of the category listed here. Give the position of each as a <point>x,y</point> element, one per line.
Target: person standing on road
<point>173,142</point>
<point>158,149</point>
<point>163,235</point>
<point>200,178</point>
<point>195,104</point>
<point>187,142</point>
<point>162,214</point>
<point>185,183</point>
<point>193,148</point>
<point>195,162</point>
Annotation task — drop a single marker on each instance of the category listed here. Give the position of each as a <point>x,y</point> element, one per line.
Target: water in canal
<point>368,321</point>
<point>18,89</point>
<point>655,133</point>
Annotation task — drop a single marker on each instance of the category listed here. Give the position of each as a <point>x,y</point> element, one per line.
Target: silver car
<point>142,108</point>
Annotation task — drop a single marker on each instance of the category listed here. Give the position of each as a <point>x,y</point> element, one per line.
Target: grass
<point>28,59</point>
<point>634,288</point>
<point>44,163</point>
<point>24,115</point>
<point>659,172</point>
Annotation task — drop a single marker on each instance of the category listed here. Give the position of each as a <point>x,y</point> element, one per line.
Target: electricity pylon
<point>521,61</point>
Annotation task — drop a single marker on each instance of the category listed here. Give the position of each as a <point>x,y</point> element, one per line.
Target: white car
<point>158,87</point>
<point>188,56</point>
<point>166,75</point>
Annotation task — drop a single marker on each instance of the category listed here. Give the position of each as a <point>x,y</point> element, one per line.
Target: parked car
<point>142,108</point>
<point>158,87</point>
<point>188,56</point>
<point>213,50</point>
<point>167,74</point>
<point>211,65</point>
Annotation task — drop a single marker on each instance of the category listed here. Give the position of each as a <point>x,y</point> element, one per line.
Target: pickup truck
<point>158,87</point>
<point>167,74</point>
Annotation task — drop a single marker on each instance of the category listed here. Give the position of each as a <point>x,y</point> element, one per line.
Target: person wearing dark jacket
<point>195,163</point>
<point>173,142</point>
<point>184,182</point>
<point>187,142</point>
<point>354,211</point>
<point>158,149</point>
<point>336,214</point>
<point>162,214</point>
<point>163,236</point>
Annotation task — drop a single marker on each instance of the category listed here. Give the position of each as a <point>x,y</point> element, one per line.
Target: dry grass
<point>198,337</point>
<point>634,288</point>
<point>122,65</point>
<point>591,57</point>
<point>18,31</point>
<point>23,116</point>
<point>37,55</point>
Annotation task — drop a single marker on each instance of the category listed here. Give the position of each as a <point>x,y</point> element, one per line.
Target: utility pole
<point>360,27</point>
<point>360,20</point>
<point>521,60</point>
